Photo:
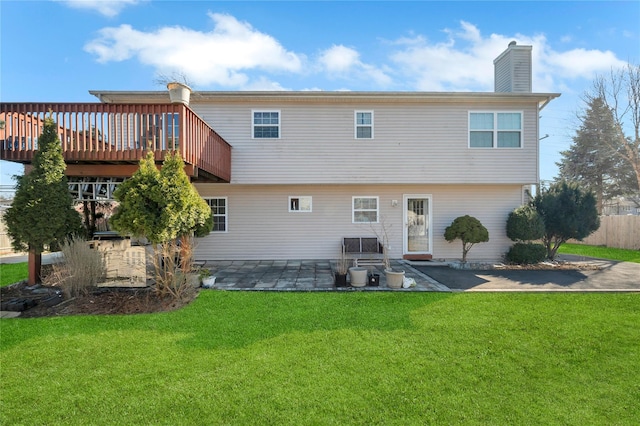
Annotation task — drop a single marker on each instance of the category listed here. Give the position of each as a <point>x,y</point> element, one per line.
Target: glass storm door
<point>417,224</point>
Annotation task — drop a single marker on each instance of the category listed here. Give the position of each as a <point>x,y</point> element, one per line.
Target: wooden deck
<point>108,140</point>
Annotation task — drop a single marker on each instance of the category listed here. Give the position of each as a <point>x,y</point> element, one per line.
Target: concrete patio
<point>303,275</point>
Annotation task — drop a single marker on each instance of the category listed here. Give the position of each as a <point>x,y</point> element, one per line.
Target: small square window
<point>300,204</point>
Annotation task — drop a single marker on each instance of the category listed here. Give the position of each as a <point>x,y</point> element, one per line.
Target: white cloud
<point>339,59</point>
<point>581,63</point>
<point>236,55</point>
<point>464,62</point>
<point>109,8</point>
<point>223,56</point>
<point>264,84</point>
<point>344,62</point>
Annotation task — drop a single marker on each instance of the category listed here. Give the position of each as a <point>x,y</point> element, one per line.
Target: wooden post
<point>35,267</point>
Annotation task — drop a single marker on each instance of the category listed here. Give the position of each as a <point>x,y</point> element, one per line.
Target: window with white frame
<point>300,204</point>
<point>220,213</point>
<point>495,129</point>
<point>364,124</point>
<point>365,209</point>
<point>265,124</point>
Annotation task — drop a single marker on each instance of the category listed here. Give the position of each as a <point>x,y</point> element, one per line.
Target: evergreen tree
<point>164,207</point>
<point>524,224</point>
<point>620,92</point>
<point>160,205</point>
<point>568,212</point>
<point>592,159</point>
<point>42,213</point>
<point>469,231</point>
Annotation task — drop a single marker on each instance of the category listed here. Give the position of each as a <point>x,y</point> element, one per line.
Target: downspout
<point>540,108</point>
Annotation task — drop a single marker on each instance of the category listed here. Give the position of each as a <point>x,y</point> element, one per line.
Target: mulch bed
<point>551,266</point>
<point>46,301</point>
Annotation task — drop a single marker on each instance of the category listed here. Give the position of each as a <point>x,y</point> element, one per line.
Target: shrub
<point>525,224</point>
<point>82,269</point>
<point>526,253</point>
<point>568,211</point>
<point>469,230</point>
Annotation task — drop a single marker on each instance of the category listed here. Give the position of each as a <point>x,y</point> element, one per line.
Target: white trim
<point>377,210</point>
<point>405,224</point>
<point>300,204</point>
<point>279,125</point>
<point>495,129</point>
<point>356,125</point>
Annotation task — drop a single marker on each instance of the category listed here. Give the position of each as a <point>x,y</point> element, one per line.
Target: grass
<point>327,358</point>
<point>332,358</point>
<point>12,273</point>
<point>601,252</point>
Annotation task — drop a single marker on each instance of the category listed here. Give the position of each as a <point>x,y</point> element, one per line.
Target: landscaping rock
<point>16,304</point>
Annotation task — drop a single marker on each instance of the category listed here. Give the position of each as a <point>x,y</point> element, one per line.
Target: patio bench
<point>363,250</point>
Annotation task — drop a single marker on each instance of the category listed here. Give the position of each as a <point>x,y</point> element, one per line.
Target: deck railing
<point>96,133</point>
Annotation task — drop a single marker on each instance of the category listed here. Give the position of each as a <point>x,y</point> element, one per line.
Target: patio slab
<point>303,275</point>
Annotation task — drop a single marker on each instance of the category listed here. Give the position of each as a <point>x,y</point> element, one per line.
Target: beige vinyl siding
<point>512,70</point>
<point>261,227</point>
<point>522,71</point>
<point>414,143</point>
<point>503,76</point>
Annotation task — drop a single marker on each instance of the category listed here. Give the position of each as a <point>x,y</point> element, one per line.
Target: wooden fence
<point>5,241</point>
<point>616,231</point>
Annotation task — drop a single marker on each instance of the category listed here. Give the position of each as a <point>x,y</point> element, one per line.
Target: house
<point>309,168</point>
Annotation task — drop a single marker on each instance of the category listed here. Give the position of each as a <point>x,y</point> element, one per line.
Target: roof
<point>324,97</point>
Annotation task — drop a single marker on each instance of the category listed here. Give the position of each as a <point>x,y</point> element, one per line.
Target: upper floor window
<point>365,210</point>
<point>300,204</point>
<point>266,124</point>
<point>364,124</point>
<point>220,213</point>
<point>495,129</point>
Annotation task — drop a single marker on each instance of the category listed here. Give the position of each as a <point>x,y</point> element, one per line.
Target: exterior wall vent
<point>512,69</point>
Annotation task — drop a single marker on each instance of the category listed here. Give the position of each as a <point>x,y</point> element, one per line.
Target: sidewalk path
<point>47,258</point>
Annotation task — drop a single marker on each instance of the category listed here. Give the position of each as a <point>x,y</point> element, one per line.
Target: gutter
<point>549,99</point>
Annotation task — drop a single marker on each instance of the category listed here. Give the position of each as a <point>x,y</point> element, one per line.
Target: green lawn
<point>331,359</point>
<point>12,273</point>
<point>601,252</point>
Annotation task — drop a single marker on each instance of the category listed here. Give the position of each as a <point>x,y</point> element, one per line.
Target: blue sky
<point>59,50</point>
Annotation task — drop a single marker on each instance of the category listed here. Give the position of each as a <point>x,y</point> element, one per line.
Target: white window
<point>364,124</point>
<point>495,129</point>
<point>265,124</point>
<point>300,204</point>
<point>220,213</point>
<point>365,209</point>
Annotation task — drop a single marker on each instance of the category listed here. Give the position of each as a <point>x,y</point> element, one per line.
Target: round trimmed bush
<point>526,253</point>
<point>525,224</point>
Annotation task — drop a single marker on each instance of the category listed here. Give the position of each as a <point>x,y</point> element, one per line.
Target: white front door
<point>417,224</point>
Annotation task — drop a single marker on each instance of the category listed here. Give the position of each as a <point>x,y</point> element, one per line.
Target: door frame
<point>405,227</point>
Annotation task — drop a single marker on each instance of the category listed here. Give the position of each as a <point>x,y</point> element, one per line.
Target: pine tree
<point>568,212</point>
<point>620,93</point>
<point>591,160</point>
<point>42,213</point>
